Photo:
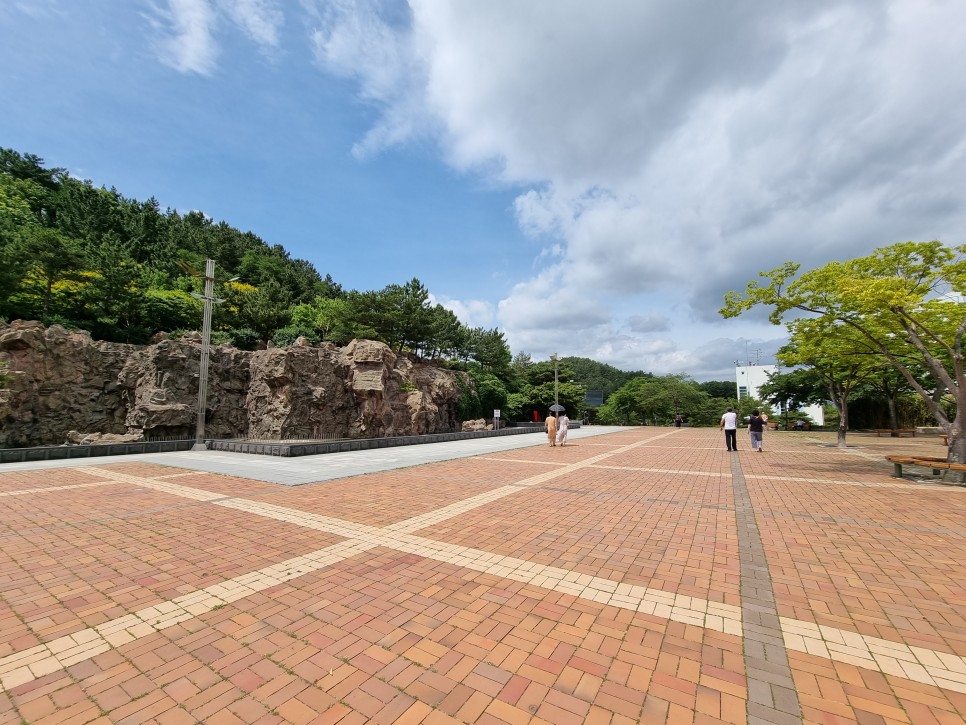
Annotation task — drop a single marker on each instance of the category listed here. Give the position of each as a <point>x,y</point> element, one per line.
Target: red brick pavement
<point>382,635</point>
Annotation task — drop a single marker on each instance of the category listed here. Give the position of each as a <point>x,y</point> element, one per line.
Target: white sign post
<point>496,419</point>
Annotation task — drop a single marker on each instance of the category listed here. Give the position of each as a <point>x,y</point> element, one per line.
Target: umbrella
<point>557,408</point>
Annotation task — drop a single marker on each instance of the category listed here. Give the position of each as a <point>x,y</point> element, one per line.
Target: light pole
<point>556,396</point>
<point>209,299</point>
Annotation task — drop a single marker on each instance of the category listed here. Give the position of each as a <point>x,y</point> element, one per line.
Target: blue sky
<point>589,178</point>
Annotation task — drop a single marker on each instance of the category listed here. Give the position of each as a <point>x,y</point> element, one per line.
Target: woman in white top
<point>563,423</point>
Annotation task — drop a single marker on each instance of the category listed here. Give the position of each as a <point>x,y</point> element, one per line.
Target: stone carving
<point>62,383</point>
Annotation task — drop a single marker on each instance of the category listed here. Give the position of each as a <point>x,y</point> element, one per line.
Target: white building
<point>750,378</point>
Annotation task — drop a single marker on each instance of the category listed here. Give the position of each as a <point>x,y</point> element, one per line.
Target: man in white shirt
<point>729,424</point>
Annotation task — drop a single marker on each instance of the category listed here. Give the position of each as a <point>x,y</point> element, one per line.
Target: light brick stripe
<point>911,486</point>
<point>47,489</point>
<point>918,664</point>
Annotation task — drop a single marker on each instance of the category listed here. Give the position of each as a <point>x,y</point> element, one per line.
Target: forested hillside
<point>88,257</point>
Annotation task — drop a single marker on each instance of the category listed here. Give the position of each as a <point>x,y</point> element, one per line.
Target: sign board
<point>594,397</point>
<point>496,413</point>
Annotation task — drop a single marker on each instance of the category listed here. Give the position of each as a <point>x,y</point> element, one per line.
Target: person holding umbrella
<point>551,426</point>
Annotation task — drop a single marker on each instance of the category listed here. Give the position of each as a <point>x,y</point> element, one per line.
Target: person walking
<point>551,426</point>
<point>563,423</point>
<point>729,424</point>
<point>756,428</point>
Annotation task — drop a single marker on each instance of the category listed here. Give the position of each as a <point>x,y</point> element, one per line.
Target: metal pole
<point>556,397</point>
<point>205,345</point>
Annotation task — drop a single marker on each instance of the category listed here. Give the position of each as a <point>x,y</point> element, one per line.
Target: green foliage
<point>490,390</point>
<point>244,338</point>
<point>594,375</point>
<point>656,401</point>
<point>468,404</point>
<point>798,388</point>
<point>517,407</point>
<point>171,309</point>
<point>289,334</point>
<point>723,389</point>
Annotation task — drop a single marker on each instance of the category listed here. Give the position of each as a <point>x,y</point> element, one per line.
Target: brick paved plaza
<point>640,575</point>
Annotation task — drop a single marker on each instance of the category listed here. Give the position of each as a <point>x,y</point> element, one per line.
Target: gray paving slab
<point>299,470</point>
<point>772,697</point>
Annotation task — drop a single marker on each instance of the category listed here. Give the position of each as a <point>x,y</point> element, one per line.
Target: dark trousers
<point>731,439</point>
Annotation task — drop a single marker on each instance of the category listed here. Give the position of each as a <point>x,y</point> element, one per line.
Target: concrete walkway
<point>635,575</point>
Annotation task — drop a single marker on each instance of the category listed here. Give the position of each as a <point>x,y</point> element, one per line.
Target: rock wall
<point>58,381</point>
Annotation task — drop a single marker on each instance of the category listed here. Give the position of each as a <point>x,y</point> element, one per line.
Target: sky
<point>589,178</point>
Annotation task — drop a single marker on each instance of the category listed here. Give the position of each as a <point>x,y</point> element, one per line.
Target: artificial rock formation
<point>61,384</point>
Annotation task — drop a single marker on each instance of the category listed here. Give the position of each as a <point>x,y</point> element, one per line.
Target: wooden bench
<point>936,464</point>
<point>896,433</point>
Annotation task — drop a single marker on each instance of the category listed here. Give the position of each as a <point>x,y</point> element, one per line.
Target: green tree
<point>490,350</point>
<point>905,300</point>
<point>447,335</point>
<point>52,256</point>
<point>595,375</point>
<point>267,310</point>
<point>654,401</point>
<point>490,391</point>
<point>837,355</point>
<point>724,389</point>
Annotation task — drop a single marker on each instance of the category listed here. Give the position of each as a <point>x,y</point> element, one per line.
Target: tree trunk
<point>843,408</point>
<point>957,441</point>
<point>893,412</point>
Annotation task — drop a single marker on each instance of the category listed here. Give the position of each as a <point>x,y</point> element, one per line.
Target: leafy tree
<point>490,391</point>
<point>171,309</point>
<point>267,310</point>
<point>724,389</point>
<point>654,401</point>
<point>904,300</point>
<point>114,295</point>
<point>415,315</point>
<point>837,356</point>
<point>447,335</point>
<point>517,406</point>
<point>595,375</point>
<point>490,350</point>
<point>797,388</point>
<point>52,256</point>
<point>290,333</point>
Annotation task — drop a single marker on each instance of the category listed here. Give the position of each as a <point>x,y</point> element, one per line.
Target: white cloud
<point>355,40</point>
<point>186,29</point>
<point>260,19</point>
<point>472,313</point>
<point>664,152</point>
<point>186,42</point>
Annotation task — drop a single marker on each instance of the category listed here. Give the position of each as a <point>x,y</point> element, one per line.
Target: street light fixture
<point>209,299</point>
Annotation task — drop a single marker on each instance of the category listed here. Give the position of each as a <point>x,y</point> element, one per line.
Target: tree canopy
<point>904,302</point>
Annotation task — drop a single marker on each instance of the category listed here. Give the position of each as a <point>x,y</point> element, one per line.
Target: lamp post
<point>556,396</point>
<point>205,345</point>
<point>209,299</point>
